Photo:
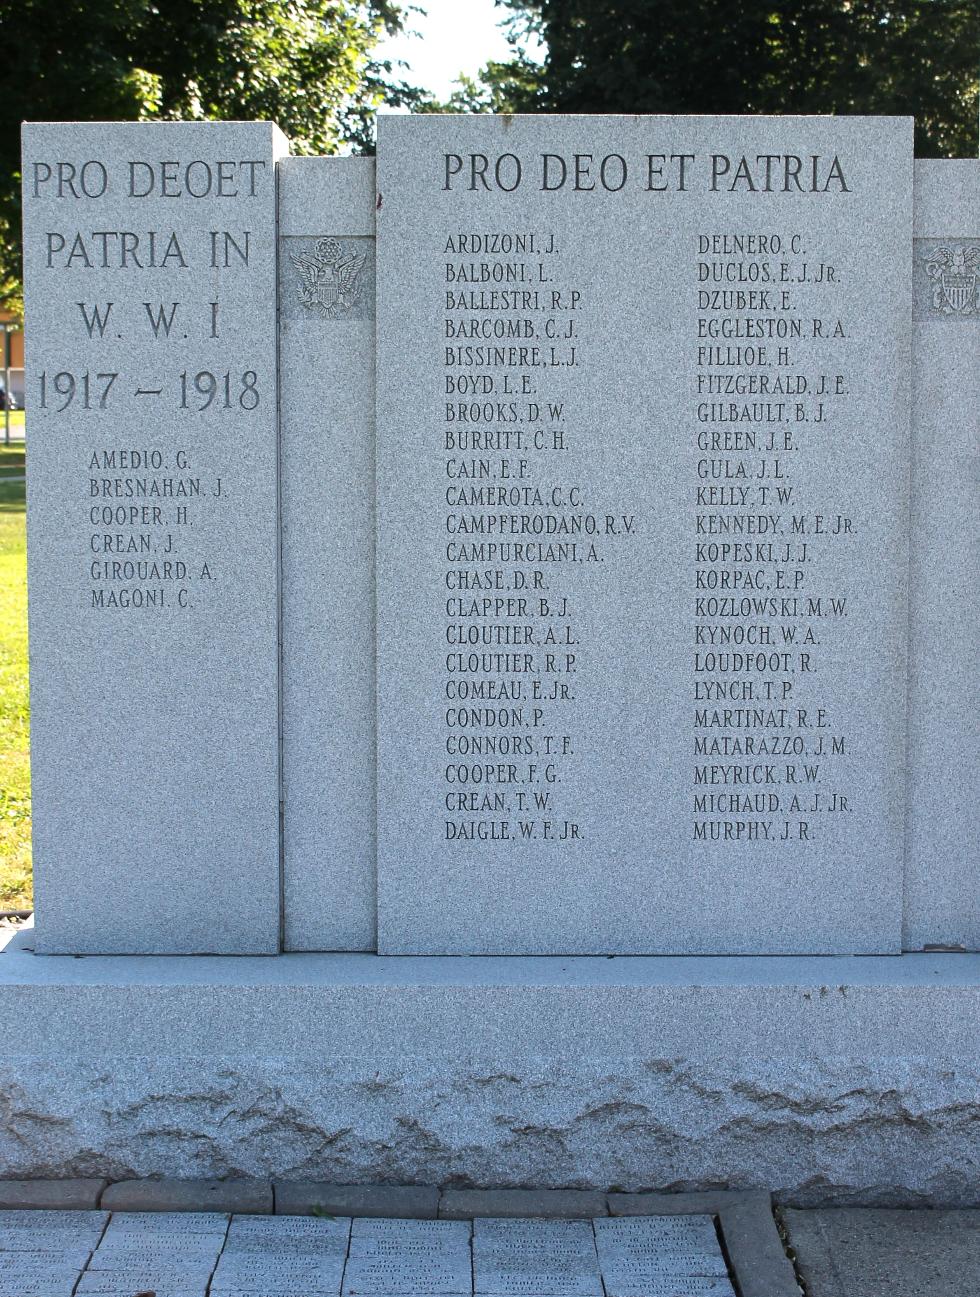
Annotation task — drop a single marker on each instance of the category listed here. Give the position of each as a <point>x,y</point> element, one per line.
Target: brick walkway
<point>185,1254</point>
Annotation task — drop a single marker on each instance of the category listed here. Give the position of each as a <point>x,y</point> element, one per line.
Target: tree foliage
<point>307,64</point>
<point>915,57</point>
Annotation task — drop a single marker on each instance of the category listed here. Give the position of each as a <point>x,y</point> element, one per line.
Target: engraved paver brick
<point>45,1253</point>
<point>272,1287</point>
<point>27,1285</point>
<point>169,1254</point>
<point>624,1273</point>
<point>675,1286</point>
<point>432,1276</point>
<point>442,1233</point>
<point>37,1263</point>
<point>120,1285</point>
<point>559,1239</point>
<point>87,1224</point>
<point>292,1233</point>
<point>538,1282</point>
<point>29,1240</point>
<point>174,1222</point>
<point>686,1233</point>
<point>561,1233</point>
<point>174,1277</point>
<point>409,1257</point>
<point>639,1255</point>
<point>124,1288</point>
<point>540,1258</point>
<point>288,1255</point>
<point>54,1275</point>
<point>327,1272</point>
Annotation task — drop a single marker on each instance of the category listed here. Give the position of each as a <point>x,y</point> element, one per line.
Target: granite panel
<point>642,533</point>
<point>152,513</point>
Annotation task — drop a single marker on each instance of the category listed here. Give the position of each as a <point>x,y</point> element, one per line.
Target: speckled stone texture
<point>942,867</point>
<point>578,483</point>
<point>326,368</point>
<point>902,1253</point>
<point>152,521</point>
<point>820,1078</point>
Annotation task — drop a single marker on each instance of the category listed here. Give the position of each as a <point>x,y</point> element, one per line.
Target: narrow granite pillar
<point>326,357</point>
<point>942,873</point>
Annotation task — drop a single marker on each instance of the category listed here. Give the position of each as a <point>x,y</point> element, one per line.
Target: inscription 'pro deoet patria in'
<point>628,671</point>
<point>150,273</point>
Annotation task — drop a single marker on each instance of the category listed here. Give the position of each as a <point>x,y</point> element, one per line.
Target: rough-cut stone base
<point>821,1078</point>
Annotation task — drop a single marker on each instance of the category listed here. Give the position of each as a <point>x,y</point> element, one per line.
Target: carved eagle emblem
<point>330,278</point>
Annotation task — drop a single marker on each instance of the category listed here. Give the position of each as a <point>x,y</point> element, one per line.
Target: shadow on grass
<point>11,497</point>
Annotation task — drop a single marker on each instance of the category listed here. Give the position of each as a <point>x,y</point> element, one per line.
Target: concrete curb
<point>241,1196</point>
<point>51,1195</point>
<point>547,1204</point>
<point>394,1202</point>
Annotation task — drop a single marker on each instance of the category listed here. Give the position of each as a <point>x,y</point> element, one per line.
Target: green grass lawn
<point>15,775</point>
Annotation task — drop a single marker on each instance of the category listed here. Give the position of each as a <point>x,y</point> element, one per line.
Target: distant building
<point>13,359</point>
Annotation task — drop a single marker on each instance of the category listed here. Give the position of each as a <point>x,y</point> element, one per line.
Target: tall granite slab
<point>326,360</point>
<point>942,878</point>
<point>150,279</point>
<point>643,409</point>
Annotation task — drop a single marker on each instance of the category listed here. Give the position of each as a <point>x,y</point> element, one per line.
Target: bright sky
<point>454,36</point>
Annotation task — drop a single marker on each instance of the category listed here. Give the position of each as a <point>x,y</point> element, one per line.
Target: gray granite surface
<point>875,1253</point>
<point>326,366</point>
<point>641,583</point>
<point>684,1073</point>
<point>942,869</point>
<point>152,534</point>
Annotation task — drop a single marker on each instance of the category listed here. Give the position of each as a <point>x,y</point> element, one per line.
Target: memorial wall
<point>673,487</point>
